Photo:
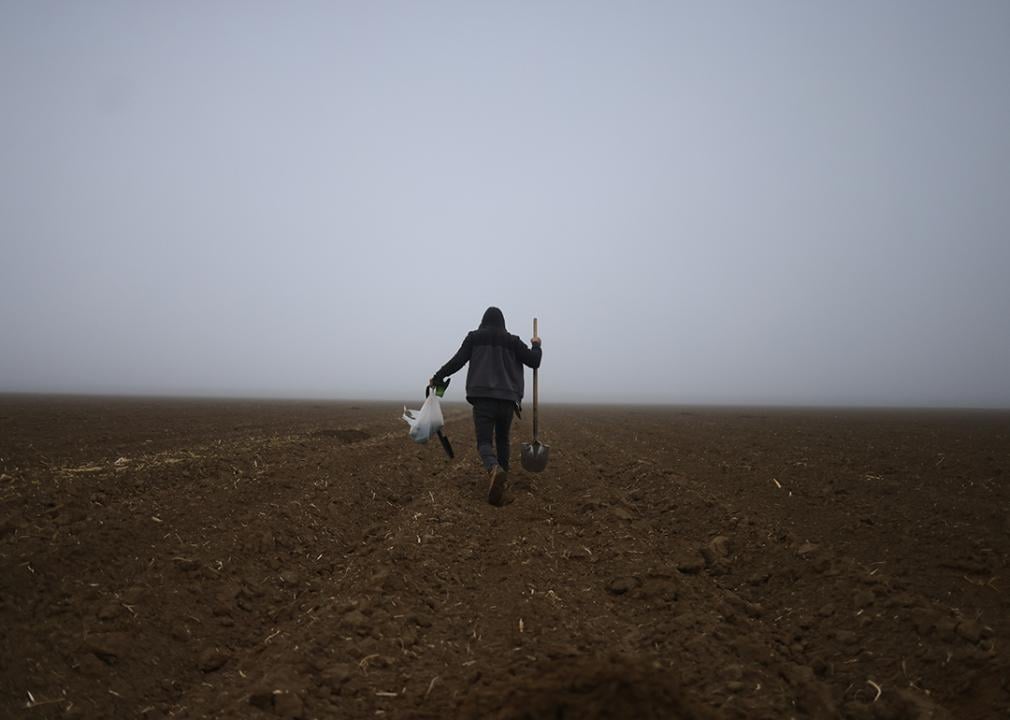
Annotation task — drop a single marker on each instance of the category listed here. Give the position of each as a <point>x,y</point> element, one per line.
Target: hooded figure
<point>494,386</point>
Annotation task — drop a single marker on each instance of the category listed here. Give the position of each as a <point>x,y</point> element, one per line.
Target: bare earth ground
<point>306,560</point>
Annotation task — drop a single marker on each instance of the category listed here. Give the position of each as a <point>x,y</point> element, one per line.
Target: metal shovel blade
<point>535,456</point>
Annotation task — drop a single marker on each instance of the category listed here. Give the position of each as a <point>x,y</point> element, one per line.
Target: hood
<point>493,318</point>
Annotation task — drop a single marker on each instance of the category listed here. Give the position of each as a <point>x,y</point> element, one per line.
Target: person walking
<point>494,386</point>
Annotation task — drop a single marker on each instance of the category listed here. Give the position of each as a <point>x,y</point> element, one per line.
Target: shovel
<point>534,455</point>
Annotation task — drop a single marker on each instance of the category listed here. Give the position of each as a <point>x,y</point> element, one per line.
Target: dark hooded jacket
<point>496,360</point>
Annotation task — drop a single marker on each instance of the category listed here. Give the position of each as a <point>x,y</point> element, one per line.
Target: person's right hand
<point>535,340</point>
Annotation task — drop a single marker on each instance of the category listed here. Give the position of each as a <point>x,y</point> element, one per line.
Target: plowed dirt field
<point>307,560</point>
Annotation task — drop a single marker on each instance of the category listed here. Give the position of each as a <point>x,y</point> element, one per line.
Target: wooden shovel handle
<point>536,394</point>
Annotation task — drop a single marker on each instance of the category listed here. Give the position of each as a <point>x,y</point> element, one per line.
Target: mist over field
<point>770,203</point>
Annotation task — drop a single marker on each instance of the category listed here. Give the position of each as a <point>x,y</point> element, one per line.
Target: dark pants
<point>493,419</point>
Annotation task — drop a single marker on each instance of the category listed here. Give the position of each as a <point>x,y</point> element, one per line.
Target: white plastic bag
<point>424,422</point>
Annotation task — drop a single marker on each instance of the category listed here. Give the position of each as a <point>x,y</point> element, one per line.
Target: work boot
<point>496,489</point>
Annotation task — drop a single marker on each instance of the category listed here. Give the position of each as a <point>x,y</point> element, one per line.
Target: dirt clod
<point>690,564</point>
<point>212,659</point>
<point>288,704</point>
<point>109,647</point>
<point>621,585</point>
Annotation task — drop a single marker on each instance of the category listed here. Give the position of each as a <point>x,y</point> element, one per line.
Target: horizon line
<point>527,401</point>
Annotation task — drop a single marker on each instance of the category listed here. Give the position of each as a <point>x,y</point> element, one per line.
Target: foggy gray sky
<point>774,202</point>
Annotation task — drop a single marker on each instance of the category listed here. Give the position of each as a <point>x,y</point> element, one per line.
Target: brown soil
<point>253,559</point>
